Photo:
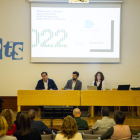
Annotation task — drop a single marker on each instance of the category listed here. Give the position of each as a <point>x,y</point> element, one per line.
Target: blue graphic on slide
<point>89,24</point>
<point>8,48</point>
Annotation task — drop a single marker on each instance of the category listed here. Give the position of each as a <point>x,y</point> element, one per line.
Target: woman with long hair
<point>17,120</point>
<point>26,132</point>
<point>8,115</point>
<point>69,130</point>
<point>4,129</point>
<point>99,81</point>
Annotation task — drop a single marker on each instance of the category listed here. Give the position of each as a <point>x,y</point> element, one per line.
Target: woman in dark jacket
<point>26,132</point>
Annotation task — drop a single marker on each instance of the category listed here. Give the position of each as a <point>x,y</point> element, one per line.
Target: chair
<point>98,132</point>
<point>135,132</point>
<point>87,136</point>
<point>53,136</point>
<point>58,132</point>
<point>47,137</point>
<point>135,136</point>
<point>86,131</point>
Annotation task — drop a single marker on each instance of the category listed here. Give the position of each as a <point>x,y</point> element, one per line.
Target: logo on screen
<point>15,47</point>
<point>89,24</point>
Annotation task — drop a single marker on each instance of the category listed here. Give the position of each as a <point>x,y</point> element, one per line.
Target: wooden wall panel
<point>10,102</point>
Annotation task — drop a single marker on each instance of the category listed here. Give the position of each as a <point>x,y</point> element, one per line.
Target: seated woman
<point>119,131</point>
<point>8,115</point>
<point>4,129</point>
<point>17,120</point>
<point>99,81</point>
<point>26,132</point>
<point>69,130</point>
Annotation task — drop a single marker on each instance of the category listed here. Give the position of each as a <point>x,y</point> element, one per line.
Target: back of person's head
<point>8,114</point>
<point>119,117</point>
<point>18,115</point>
<point>105,111</point>
<point>17,120</point>
<point>77,73</point>
<point>3,126</point>
<point>69,127</point>
<point>24,123</point>
<point>76,112</point>
<point>32,114</point>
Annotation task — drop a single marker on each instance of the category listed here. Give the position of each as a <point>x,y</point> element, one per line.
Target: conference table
<point>78,98</point>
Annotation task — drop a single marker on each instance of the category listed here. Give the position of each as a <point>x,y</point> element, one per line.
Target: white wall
<point>23,75</point>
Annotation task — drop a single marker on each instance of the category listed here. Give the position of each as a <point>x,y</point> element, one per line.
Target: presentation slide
<point>76,35</point>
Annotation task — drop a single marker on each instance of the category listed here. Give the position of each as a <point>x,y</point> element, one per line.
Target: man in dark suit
<point>43,129</point>
<point>74,84</point>
<point>45,83</point>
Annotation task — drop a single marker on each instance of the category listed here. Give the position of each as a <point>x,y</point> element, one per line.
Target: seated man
<point>104,124</point>
<point>82,124</point>
<point>74,84</point>
<point>43,129</point>
<point>45,83</point>
<point>120,131</point>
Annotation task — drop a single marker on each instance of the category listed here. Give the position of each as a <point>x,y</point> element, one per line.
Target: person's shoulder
<point>37,122</point>
<point>79,81</point>
<point>50,80</point>
<point>110,119</point>
<point>59,135</point>
<point>11,138</point>
<point>8,138</point>
<point>41,80</point>
<point>16,133</point>
<point>78,134</point>
<point>35,130</point>
<point>99,121</point>
<point>41,123</point>
<point>83,120</point>
<point>103,81</point>
<point>70,80</point>
<point>126,126</point>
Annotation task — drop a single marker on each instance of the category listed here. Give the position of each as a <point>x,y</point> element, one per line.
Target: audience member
<point>69,130</point>
<point>4,129</point>
<point>8,114</point>
<point>104,124</point>
<point>74,83</point>
<point>100,83</point>
<point>17,120</point>
<point>26,132</point>
<point>82,124</point>
<point>119,131</point>
<point>1,101</point>
<point>43,129</point>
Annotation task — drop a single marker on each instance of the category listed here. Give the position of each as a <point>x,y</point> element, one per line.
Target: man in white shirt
<point>74,83</point>
<point>45,84</point>
<point>104,124</point>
